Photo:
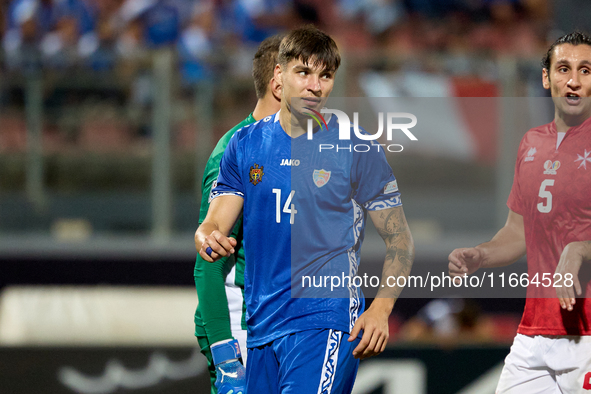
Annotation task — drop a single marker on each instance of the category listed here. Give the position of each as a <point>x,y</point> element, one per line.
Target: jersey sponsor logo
<point>391,187</point>
<point>584,159</point>
<point>290,162</point>
<point>321,177</point>
<point>256,174</point>
<point>530,154</point>
<point>551,167</point>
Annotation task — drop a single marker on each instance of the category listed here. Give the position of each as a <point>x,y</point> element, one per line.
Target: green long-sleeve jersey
<point>212,314</point>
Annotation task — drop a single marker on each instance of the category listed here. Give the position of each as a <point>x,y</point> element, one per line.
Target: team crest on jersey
<point>584,159</point>
<point>551,167</point>
<point>256,174</point>
<point>321,177</point>
<point>530,154</point>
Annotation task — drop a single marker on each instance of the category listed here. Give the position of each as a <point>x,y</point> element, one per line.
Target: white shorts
<point>547,365</point>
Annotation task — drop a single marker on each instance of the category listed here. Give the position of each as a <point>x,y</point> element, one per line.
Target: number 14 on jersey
<point>288,207</point>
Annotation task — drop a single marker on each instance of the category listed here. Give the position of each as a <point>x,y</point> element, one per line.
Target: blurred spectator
<point>97,47</point>
<point>28,22</point>
<point>196,43</point>
<point>130,37</point>
<point>254,20</point>
<point>161,24</point>
<point>378,16</point>
<point>149,23</point>
<point>244,24</point>
<point>73,25</point>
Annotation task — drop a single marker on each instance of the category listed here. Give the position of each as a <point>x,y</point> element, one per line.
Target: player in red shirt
<point>550,219</point>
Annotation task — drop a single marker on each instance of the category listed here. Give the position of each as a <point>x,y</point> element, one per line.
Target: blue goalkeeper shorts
<point>306,362</point>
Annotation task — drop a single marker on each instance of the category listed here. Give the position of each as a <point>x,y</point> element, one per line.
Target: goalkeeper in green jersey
<point>219,319</point>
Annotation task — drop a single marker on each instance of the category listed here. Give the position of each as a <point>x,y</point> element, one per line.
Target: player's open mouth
<point>572,98</point>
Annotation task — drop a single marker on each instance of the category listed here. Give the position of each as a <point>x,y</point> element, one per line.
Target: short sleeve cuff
<point>392,202</point>
<point>215,194</point>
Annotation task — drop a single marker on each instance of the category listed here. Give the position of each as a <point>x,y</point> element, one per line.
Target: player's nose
<point>574,82</point>
<point>314,83</point>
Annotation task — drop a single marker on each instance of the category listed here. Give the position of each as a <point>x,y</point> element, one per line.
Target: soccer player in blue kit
<point>306,219</point>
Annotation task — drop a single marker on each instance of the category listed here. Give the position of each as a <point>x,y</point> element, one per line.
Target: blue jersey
<point>304,215</point>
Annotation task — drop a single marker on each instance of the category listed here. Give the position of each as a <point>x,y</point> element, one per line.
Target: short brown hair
<point>263,64</point>
<point>308,43</point>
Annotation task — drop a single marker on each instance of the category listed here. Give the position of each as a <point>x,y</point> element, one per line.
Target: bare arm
<point>213,232</point>
<point>393,228</point>
<point>505,248</point>
<point>571,259</point>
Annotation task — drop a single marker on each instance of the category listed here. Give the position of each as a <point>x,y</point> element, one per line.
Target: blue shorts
<point>306,362</point>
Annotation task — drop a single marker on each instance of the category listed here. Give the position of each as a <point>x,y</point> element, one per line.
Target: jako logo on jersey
<point>584,159</point>
<point>551,167</point>
<point>345,124</point>
<point>290,162</point>
<point>530,154</point>
<point>256,174</point>
<point>321,177</point>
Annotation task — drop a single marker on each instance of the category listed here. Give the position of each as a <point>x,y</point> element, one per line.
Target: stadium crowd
<point>215,40</point>
<point>96,33</point>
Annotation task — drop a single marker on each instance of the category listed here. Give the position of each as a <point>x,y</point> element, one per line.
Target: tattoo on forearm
<point>400,249</point>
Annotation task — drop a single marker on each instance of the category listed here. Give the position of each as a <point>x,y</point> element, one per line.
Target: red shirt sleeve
<point>514,202</point>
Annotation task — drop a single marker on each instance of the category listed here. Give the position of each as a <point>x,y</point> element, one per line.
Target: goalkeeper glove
<point>231,374</point>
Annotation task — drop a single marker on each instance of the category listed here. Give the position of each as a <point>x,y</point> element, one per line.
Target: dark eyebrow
<point>301,67</point>
<point>562,63</point>
<point>567,63</point>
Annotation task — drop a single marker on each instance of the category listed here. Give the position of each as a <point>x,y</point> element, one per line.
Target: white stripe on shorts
<point>331,357</point>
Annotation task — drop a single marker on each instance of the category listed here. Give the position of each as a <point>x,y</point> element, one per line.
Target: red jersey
<point>552,191</point>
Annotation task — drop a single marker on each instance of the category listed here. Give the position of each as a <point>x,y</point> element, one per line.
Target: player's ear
<point>545,79</point>
<point>275,88</point>
<point>277,74</point>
